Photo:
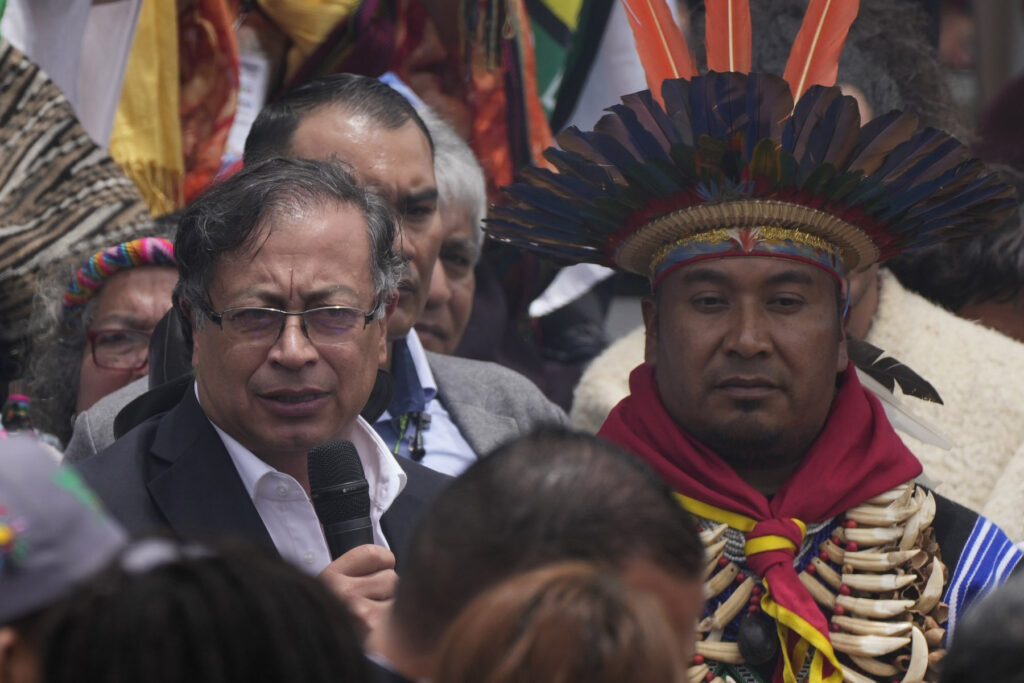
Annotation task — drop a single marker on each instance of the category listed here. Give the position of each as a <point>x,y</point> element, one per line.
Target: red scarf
<point>857,455</point>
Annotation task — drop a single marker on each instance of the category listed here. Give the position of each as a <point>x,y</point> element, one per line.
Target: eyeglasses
<point>119,349</point>
<point>326,325</point>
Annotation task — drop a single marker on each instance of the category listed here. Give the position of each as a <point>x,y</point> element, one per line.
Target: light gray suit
<point>489,403</point>
<point>94,428</point>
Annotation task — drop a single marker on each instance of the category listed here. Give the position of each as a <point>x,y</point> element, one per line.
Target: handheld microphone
<point>340,495</point>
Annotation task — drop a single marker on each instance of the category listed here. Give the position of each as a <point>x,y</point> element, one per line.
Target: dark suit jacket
<point>172,473</point>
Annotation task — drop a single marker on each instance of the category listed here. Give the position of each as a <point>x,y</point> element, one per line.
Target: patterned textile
<point>146,140</point>
<point>490,72</point>
<point>307,24</point>
<point>769,241</point>
<point>208,61</point>
<point>986,561</point>
<point>60,195</point>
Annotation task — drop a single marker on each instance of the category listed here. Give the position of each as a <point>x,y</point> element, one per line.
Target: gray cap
<point>53,532</point>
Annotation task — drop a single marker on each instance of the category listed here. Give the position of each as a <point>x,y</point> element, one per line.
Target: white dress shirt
<point>446,449</point>
<point>286,509</point>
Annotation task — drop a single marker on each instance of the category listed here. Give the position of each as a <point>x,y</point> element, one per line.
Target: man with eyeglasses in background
<point>286,272</point>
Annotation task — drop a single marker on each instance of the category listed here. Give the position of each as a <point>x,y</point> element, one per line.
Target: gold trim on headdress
<point>767,233</point>
<point>643,250</point>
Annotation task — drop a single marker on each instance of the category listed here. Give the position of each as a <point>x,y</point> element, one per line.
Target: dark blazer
<point>172,473</point>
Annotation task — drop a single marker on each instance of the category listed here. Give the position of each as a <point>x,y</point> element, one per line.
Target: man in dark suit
<point>287,272</point>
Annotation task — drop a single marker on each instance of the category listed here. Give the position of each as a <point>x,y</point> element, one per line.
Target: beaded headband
<point>101,266</point>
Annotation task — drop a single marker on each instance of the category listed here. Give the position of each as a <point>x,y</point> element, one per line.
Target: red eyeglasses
<point>119,349</point>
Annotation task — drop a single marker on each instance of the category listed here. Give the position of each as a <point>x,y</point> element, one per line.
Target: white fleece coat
<point>978,372</point>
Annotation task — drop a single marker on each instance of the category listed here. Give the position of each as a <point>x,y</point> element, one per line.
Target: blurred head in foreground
<point>168,613</point>
<point>566,622</point>
<point>551,496</point>
<point>53,537</point>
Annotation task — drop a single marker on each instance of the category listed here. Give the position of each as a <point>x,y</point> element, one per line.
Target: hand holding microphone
<point>361,574</point>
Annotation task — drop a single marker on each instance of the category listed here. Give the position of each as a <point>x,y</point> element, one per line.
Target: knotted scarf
<point>856,456</point>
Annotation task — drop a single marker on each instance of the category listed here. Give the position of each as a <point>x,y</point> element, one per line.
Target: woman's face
<point>131,302</point>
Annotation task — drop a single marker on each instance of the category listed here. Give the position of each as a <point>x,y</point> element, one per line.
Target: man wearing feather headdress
<point>748,200</point>
<point>978,458</point>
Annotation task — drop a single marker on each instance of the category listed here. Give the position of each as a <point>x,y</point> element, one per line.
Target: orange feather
<point>814,59</point>
<point>728,37</point>
<point>659,43</point>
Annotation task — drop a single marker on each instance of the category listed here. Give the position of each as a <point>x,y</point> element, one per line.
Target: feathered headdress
<point>747,163</point>
<point>733,163</point>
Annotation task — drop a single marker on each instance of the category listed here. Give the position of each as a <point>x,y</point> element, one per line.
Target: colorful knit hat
<point>742,163</point>
<point>101,266</point>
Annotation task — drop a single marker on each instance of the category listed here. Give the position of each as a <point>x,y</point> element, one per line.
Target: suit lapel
<point>421,485</point>
<point>194,482</point>
<point>464,399</point>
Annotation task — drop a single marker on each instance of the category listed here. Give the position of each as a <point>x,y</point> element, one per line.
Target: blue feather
<point>878,137</point>
<point>560,183</point>
<point>643,140</point>
<point>769,102</point>
<point>809,110</point>
<point>676,94</point>
<point>907,153</point>
<point>570,163</point>
<point>652,117</point>
<point>819,133</point>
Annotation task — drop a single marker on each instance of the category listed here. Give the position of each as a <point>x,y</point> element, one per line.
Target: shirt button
<point>308,557</point>
<point>282,490</point>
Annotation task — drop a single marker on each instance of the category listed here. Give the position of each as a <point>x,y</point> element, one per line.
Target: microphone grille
<point>331,464</point>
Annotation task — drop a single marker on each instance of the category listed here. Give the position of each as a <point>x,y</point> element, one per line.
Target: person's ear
<point>843,358</point>
<point>649,308</point>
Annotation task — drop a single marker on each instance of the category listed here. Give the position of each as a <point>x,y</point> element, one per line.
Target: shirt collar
<point>384,475</point>
<point>415,386</point>
<point>419,359</point>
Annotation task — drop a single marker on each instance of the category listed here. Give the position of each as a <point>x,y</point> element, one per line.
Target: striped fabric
<point>101,266</point>
<point>62,198</point>
<point>986,561</point>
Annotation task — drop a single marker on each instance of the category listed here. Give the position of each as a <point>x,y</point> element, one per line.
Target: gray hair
<point>229,216</point>
<point>55,356</point>
<point>57,340</point>
<point>460,179</point>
